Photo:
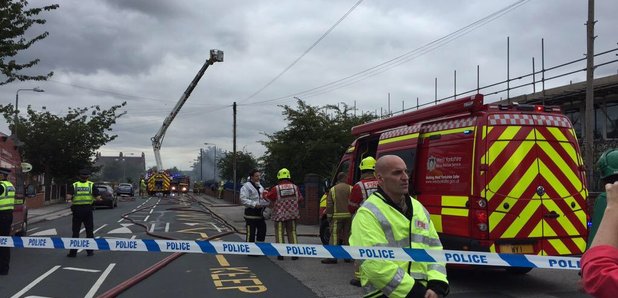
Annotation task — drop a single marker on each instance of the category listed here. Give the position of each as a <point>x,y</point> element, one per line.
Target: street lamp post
<point>35,89</point>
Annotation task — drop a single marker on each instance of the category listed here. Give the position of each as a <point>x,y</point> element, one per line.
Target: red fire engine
<point>10,158</point>
<point>497,178</point>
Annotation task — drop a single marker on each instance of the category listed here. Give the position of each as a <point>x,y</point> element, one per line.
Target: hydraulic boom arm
<point>215,56</point>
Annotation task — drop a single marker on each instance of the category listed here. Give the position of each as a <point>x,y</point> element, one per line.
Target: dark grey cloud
<point>147,52</point>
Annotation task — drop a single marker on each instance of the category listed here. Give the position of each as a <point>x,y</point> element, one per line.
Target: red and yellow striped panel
<point>522,159</point>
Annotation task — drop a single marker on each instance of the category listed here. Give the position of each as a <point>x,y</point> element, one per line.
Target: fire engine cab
<point>494,177</point>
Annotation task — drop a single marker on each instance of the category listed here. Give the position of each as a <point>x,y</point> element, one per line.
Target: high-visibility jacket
<point>362,190</point>
<point>82,193</point>
<point>7,197</point>
<point>337,201</point>
<point>285,197</point>
<point>378,222</point>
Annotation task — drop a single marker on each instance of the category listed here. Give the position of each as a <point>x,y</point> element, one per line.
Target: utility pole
<point>234,150</point>
<point>589,137</point>
<point>201,168</point>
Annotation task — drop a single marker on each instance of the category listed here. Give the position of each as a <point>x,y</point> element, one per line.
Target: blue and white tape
<point>297,250</point>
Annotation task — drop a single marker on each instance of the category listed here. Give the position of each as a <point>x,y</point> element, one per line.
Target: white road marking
<point>123,230</point>
<point>50,232</point>
<point>33,229</point>
<point>192,224</point>
<point>104,225</point>
<point>146,219</point>
<point>167,227</point>
<point>81,269</point>
<point>37,297</point>
<point>151,210</point>
<point>152,227</point>
<point>35,282</point>
<point>215,226</point>
<point>99,281</point>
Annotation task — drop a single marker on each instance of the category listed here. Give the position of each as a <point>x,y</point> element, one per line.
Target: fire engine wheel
<point>518,270</point>
<point>324,232</point>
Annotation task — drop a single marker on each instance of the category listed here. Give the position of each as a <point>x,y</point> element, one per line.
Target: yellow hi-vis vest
<point>378,224</point>
<point>7,197</point>
<point>82,194</point>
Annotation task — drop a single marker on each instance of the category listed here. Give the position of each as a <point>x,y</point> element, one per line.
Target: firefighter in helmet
<point>339,217</point>
<point>360,192</point>
<point>285,197</point>
<point>7,201</point>
<point>608,167</point>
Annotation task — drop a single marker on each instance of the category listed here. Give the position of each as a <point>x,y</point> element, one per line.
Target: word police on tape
<point>297,250</point>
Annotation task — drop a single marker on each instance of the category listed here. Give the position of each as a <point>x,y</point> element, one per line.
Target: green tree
<point>15,20</point>
<point>59,146</point>
<point>245,162</point>
<point>313,141</point>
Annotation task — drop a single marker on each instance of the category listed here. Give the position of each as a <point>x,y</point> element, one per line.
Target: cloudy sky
<point>147,52</point>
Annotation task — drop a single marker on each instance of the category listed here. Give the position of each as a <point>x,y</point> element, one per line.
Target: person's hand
<point>431,294</point>
<point>612,194</point>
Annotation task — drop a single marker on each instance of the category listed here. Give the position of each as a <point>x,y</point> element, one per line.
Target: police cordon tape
<point>297,250</point>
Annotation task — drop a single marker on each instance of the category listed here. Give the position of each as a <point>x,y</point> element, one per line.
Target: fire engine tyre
<point>518,270</point>
<point>24,229</point>
<point>324,231</point>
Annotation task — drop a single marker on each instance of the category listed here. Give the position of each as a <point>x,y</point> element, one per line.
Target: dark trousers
<point>82,214</point>
<point>6,219</point>
<point>256,230</point>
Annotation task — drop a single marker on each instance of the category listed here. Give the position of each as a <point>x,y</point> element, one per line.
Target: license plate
<point>517,248</point>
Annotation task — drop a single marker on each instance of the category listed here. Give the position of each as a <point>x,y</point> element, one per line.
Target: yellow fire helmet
<point>368,163</point>
<point>608,163</point>
<point>284,174</point>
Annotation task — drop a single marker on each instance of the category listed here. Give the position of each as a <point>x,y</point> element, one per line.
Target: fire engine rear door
<point>515,214</point>
<point>561,187</point>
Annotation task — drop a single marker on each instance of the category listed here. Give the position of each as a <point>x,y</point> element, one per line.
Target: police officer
<point>81,195</point>
<point>390,217</point>
<point>608,167</point>
<point>7,201</point>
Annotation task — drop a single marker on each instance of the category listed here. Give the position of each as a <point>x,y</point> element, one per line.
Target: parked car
<point>125,189</point>
<point>108,197</point>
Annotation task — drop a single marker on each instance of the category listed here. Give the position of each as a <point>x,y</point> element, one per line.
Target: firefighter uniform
<point>142,186</point>
<point>380,222</point>
<point>285,197</point>
<point>338,215</point>
<point>360,192</point>
<point>82,195</point>
<point>7,201</point>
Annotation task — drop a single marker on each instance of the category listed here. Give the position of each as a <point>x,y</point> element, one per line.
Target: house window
<point>611,120</point>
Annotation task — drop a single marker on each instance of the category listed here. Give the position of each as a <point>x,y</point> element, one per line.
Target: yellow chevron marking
<point>436,219</point>
<point>486,131</point>
<point>559,246</point>
<point>516,159</point>
<point>454,201</point>
<point>538,230</point>
<point>548,231</point>
<point>492,248</point>
<point>494,219</point>
<point>455,211</point>
<point>581,244</point>
<point>497,147</point>
<point>563,221</point>
<point>522,219</point>
<point>447,132</point>
<point>399,138</point>
<point>554,182</point>
<point>564,142</point>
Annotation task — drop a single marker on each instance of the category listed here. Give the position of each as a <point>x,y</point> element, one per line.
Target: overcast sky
<point>147,52</point>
